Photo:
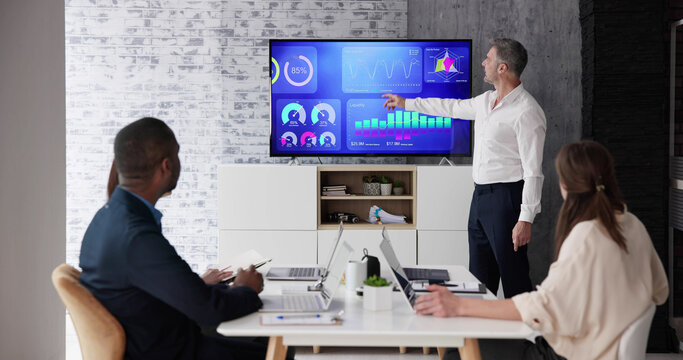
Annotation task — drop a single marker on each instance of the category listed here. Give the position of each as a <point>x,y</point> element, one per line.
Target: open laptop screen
<point>335,271</point>
<point>396,269</point>
<point>326,270</point>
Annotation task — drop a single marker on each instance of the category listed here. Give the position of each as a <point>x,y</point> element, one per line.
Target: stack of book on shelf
<point>334,190</point>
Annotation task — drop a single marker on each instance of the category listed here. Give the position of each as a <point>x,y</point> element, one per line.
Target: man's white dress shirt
<point>508,139</point>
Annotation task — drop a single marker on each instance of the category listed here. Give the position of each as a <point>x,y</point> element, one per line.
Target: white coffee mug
<point>356,273</point>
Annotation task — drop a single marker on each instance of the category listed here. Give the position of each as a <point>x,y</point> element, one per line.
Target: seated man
<point>136,273</point>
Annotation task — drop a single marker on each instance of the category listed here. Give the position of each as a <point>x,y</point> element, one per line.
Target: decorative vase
<point>377,298</point>
<point>398,191</point>
<point>385,189</point>
<point>371,189</point>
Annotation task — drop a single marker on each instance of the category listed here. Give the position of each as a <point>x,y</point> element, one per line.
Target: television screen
<point>325,97</point>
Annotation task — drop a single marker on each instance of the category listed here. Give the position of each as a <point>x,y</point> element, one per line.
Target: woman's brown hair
<point>113,180</point>
<point>586,170</point>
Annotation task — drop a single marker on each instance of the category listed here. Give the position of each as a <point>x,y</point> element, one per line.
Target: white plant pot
<point>385,189</point>
<point>377,298</point>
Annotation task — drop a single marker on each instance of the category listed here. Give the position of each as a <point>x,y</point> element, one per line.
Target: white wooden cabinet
<point>403,242</point>
<point>443,209</point>
<point>277,210</point>
<point>435,247</point>
<point>283,246</point>
<point>444,197</point>
<point>267,197</point>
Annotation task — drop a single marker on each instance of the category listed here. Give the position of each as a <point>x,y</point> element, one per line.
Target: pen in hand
<point>309,316</point>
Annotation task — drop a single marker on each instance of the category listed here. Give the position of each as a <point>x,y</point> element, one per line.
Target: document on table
<point>472,287</point>
<point>300,319</point>
<point>243,261</point>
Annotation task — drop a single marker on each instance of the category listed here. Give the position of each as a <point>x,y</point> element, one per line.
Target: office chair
<point>100,335</point>
<point>633,343</point>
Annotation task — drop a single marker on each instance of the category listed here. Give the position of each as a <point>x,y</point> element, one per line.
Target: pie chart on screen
<point>308,138</point>
<point>288,138</point>
<point>293,112</point>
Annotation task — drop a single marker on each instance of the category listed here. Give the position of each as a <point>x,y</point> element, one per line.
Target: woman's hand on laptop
<point>439,302</point>
<point>250,278</point>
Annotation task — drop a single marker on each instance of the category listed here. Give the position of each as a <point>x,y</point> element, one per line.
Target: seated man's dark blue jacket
<point>136,273</point>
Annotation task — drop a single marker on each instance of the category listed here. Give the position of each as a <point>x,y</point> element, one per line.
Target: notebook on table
<point>304,273</point>
<point>316,300</point>
<point>427,274</point>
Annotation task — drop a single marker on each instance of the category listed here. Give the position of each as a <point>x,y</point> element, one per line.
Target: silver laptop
<point>316,300</point>
<point>304,273</point>
<point>400,277</point>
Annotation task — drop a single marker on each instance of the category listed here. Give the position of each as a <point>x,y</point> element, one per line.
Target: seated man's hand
<point>250,278</point>
<point>214,276</point>
<point>439,302</point>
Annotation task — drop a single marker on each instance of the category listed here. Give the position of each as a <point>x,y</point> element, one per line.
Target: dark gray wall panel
<point>551,32</point>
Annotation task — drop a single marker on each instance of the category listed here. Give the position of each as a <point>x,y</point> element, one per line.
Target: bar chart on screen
<point>371,125</point>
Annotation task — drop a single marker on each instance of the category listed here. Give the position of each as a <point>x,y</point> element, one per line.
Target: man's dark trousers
<point>494,212</point>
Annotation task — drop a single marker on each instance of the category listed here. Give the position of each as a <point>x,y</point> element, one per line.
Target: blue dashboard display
<point>326,97</point>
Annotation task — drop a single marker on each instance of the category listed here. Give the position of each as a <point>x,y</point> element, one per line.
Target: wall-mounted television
<point>325,97</point>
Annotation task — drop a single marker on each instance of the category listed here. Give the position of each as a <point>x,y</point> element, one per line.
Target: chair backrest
<point>633,343</point>
<point>101,336</point>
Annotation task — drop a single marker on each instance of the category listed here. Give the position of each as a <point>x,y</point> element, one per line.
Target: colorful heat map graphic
<point>308,124</point>
<point>446,65</point>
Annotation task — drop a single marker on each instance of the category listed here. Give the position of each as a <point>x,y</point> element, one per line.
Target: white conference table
<point>398,327</point>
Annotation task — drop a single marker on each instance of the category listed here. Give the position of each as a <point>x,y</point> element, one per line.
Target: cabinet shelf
<point>366,226</point>
<point>358,204</point>
<point>362,197</point>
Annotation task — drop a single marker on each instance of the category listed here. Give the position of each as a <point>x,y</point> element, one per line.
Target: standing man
<point>509,132</point>
<point>132,269</point>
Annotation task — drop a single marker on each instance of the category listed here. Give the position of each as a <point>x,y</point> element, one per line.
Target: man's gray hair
<point>512,53</point>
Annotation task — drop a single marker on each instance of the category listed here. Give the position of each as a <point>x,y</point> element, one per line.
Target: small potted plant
<point>398,187</point>
<point>385,185</point>
<point>371,185</point>
<point>377,294</point>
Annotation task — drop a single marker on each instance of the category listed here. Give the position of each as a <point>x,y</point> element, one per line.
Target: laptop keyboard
<point>417,273</point>
<point>302,272</point>
<point>300,302</point>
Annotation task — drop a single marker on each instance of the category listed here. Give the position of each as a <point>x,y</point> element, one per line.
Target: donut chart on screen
<point>300,66</point>
<point>324,112</point>
<point>293,112</point>
<point>327,139</point>
<point>288,139</point>
<point>308,139</point>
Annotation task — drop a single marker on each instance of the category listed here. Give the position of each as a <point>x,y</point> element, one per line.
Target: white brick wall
<point>201,66</point>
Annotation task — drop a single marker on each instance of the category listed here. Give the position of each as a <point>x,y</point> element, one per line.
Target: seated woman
<point>606,272</point>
